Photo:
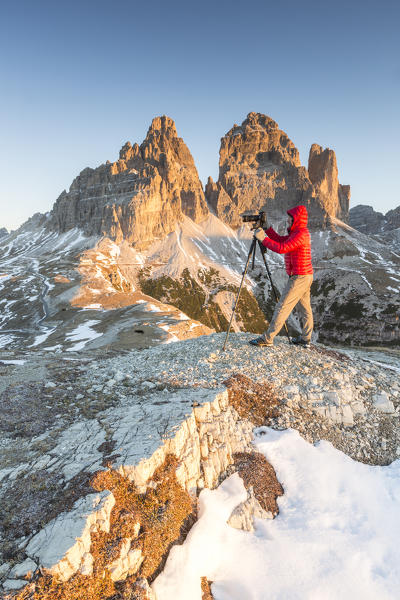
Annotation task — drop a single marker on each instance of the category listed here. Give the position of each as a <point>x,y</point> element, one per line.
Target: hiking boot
<point>298,341</point>
<point>260,341</point>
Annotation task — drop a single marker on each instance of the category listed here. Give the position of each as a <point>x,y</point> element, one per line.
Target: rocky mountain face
<point>323,174</point>
<point>366,219</point>
<point>141,196</point>
<point>3,232</point>
<point>259,167</point>
<point>385,228</point>
<point>393,219</point>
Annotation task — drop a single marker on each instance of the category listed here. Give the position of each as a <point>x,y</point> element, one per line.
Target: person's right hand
<point>260,234</point>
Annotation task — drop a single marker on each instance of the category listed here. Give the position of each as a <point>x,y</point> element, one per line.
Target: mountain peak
<point>163,125</point>
<point>260,168</point>
<point>140,197</point>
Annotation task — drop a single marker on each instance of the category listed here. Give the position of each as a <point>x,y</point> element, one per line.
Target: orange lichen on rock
<point>251,400</point>
<point>153,521</point>
<point>259,474</point>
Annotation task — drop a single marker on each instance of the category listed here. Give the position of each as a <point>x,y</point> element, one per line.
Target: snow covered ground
<point>336,536</point>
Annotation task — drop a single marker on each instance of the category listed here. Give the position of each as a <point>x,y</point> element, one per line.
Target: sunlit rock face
<point>259,168</point>
<point>141,196</point>
<point>323,174</point>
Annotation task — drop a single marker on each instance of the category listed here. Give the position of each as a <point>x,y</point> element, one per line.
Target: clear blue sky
<point>78,79</point>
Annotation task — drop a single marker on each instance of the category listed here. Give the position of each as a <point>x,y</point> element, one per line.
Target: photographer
<point>296,246</point>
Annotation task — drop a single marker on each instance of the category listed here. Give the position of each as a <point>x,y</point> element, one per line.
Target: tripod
<point>251,256</point>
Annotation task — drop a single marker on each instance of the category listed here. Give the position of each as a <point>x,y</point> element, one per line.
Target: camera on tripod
<point>258,220</point>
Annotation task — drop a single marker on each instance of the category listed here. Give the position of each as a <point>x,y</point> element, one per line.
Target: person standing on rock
<point>296,246</point>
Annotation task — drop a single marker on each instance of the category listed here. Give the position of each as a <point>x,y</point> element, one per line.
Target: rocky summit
<point>259,168</point>
<point>143,195</point>
<point>138,198</point>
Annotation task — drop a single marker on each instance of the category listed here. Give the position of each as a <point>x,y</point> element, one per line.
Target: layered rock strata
<point>259,168</point>
<point>204,444</point>
<point>141,196</point>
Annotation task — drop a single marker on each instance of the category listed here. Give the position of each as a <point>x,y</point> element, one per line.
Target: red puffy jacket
<point>296,246</point>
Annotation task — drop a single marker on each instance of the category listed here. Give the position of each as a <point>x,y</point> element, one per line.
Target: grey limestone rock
<point>23,569</point>
<point>383,403</point>
<point>60,547</point>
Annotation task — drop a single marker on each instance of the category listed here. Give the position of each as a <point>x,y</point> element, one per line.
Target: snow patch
<point>12,362</point>
<point>82,334</point>
<point>336,535</point>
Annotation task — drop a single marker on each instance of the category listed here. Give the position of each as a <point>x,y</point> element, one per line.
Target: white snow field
<point>336,536</point>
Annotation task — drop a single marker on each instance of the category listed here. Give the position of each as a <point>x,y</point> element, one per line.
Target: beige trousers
<point>295,293</point>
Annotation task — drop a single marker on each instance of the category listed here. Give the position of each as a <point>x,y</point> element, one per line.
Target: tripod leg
<point>262,249</point>
<point>249,256</point>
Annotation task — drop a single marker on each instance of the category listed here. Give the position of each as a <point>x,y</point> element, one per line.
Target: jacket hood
<point>300,217</point>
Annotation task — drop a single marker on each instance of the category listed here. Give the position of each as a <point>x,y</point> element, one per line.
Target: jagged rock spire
<point>260,167</point>
<point>139,197</point>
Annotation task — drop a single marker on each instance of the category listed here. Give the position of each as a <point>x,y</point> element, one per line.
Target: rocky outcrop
<point>392,219</point>
<point>323,174</point>
<point>160,426</point>
<point>3,232</point>
<point>259,168</point>
<point>141,196</point>
<point>366,219</point>
<point>204,445</point>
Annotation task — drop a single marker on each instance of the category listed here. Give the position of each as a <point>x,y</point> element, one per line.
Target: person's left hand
<point>260,234</point>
